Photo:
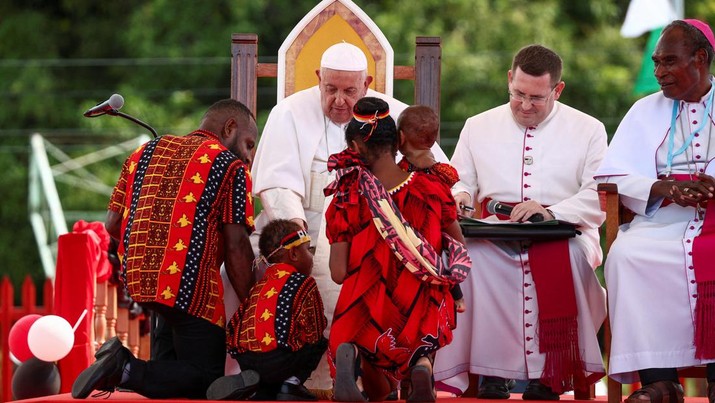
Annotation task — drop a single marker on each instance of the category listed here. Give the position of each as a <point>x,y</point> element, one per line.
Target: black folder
<point>515,231</point>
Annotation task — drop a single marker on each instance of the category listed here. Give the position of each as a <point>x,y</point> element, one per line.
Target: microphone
<point>494,207</point>
<point>114,102</point>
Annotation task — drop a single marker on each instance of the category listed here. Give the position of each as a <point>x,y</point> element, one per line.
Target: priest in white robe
<point>659,271</point>
<point>539,155</point>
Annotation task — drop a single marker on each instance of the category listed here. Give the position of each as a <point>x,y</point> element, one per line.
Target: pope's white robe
<point>289,173</point>
<point>651,284</point>
<point>553,164</point>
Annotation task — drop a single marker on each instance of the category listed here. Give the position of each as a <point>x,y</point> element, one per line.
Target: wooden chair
<point>617,214</point>
<point>330,22</point>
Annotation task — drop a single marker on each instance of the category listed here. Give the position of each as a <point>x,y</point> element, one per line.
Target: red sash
<point>550,265</point>
<point>704,267</point>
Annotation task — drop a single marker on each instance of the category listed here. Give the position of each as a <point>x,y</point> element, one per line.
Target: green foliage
<point>18,250</point>
<point>479,39</point>
<point>171,58</point>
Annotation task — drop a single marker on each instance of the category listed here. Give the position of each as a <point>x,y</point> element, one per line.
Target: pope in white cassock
<point>290,167</point>
<point>533,309</point>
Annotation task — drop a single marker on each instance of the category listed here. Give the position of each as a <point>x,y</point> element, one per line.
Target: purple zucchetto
<point>704,28</point>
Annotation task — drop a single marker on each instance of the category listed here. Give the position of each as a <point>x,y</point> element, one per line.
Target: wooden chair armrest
<point>610,204</point>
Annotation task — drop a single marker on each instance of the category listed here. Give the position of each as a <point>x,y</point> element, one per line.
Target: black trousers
<point>191,353</point>
<point>651,375</point>
<point>162,339</point>
<point>276,366</point>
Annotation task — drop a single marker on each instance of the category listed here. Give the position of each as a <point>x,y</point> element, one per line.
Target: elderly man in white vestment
<point>660,270</point>
<point>290,167</point>
<point>537,306</point>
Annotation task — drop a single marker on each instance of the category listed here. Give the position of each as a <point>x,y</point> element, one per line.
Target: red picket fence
<point>9,314</point>
<point>108,320</point>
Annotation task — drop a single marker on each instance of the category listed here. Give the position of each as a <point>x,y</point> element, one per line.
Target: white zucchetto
<point>344,56</point>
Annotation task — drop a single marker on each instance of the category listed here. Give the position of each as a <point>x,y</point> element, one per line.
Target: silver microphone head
<point>492,206</point>
<point>116,101</point>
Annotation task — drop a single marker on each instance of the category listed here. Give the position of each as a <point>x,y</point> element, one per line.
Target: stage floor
<point>441,398</point>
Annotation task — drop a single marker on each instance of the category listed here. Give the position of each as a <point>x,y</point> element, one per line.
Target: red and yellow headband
<point>294,239</point>
<point>290,241</point>
<point>371,120</point>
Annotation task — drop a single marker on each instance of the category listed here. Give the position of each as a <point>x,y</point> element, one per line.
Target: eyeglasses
<point>536,101</point>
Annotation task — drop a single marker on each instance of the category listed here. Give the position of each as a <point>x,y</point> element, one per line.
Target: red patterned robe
<point>391,315</point>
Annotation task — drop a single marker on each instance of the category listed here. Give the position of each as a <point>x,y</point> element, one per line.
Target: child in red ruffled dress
<point>418,128</point>
<point>388,229</point>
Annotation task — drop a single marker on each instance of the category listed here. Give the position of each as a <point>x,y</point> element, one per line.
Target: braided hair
<point>372,124</point>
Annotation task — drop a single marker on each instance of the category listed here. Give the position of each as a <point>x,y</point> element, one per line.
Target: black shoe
<point>234,387</point>
<point>109,346</point>
<point>295,393</point>
<point>346,389</point>
<point>494,387</point>
<point>105,374</point>
<point>392,396</point>
<point>265,393</point>
<point>421,385</point>
<point>536,390</point>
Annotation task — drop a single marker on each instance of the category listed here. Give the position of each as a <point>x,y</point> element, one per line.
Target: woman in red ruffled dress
<point>388,229</point>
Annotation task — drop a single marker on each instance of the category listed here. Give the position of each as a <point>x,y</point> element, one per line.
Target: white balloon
<point>50,338</point>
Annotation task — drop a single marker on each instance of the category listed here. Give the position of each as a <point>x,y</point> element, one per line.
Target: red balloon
<point>18,337</point>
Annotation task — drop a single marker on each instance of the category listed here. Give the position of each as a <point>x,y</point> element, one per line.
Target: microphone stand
<point>153,317</point>
<point>115,112</point>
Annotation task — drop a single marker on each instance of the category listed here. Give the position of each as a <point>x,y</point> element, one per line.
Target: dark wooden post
<point>428,62</point>
<point>244,59</point>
